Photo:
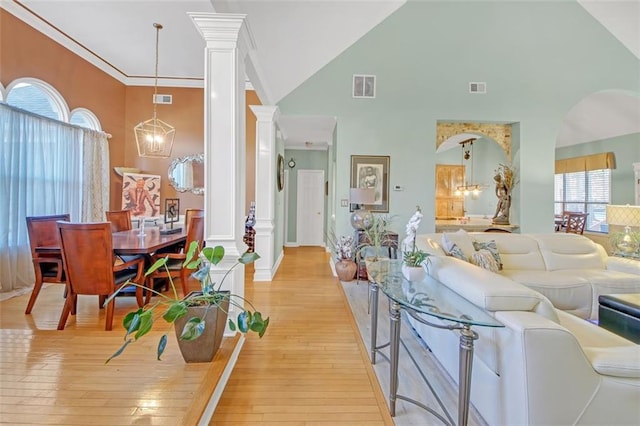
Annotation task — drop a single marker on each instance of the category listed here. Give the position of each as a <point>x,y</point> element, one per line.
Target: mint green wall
<point>537,58</point>
<point>305,160</point>
<point>627,151</point>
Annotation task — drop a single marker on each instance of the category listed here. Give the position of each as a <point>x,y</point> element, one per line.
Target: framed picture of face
<point>372,171</point>
<point>171,210</point>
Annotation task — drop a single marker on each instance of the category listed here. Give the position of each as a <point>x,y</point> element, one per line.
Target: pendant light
<point>154,137</point>
<point>467,154</point>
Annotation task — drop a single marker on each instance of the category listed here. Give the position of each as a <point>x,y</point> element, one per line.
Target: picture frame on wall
<point>372,171</point>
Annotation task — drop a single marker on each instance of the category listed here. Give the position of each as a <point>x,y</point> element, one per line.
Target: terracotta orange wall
<point>25,52</point>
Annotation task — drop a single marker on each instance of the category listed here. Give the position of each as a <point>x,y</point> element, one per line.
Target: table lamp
<point>626,216</point>
<point>361,218</point>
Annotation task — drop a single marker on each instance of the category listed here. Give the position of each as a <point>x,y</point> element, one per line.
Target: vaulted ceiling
<point>294,39</point>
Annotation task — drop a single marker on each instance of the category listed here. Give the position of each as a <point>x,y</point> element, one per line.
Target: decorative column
<point>265,192</point>
<point>228,41</point>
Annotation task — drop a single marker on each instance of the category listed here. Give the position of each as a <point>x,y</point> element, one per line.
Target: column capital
<point>228,30</point>
<point>268,113</point>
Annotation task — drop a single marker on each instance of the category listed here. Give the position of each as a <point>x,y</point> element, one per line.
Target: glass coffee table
<point>421,300</point>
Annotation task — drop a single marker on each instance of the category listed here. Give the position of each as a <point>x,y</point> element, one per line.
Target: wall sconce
<point>627,242</point>
<point>292,163</point>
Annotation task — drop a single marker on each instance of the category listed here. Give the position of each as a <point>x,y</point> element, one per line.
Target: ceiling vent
<point>477,87</point>
<point>163,99</point>
<point>364,86</point>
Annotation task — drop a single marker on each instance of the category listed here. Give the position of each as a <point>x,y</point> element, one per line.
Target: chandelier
<point>467,154</point>
<point>154,137</point>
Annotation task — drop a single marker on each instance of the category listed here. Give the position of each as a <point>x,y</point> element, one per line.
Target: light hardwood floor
<point>311,368</point>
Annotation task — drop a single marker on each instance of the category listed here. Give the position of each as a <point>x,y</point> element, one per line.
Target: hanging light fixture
<point>467,154</point>
<point>154,137</point>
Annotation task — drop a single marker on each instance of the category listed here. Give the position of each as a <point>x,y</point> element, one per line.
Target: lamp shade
<point>623,215</point>
<point>362,195</point>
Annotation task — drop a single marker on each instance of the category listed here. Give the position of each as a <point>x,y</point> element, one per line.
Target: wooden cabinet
<point>448,178</point>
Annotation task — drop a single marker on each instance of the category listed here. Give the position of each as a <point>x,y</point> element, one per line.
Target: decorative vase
<point>377,268</point>
<point>204,348</point>
<point>414,273</point>
<point>346,269</point>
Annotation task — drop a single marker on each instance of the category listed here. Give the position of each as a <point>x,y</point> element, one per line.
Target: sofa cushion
<point>516,251</point>
<point>484,259</point>
<point>565,289</point>
<point>461,239</point>
<point>491,247</point>
<point>618,361</point>
<point>569,251</point>
<point>429,245</point>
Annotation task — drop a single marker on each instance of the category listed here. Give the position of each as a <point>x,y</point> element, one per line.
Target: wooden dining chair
<point>120,220</point>
<point>89,262</point>
<point>575,222</point>
<point>43,232</point>
<point>189,213</point>
<point>195,232</point>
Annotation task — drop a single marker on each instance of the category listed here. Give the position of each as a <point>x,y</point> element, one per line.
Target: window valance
<point>603,160</point>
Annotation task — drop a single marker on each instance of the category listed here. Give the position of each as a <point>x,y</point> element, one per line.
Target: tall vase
<point>204,348</point>
<point>346,269</point>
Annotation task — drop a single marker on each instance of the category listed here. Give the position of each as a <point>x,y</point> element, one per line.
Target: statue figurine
<point>503,192</point>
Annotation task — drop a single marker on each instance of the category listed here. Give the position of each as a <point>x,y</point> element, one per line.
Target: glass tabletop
<point>433,298</point>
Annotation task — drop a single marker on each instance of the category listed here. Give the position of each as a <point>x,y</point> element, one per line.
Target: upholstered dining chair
<point>574,223</point>
<point>89,262</point>
<point>43,232</point>
<point>120,220</point>
<point>195,232</point>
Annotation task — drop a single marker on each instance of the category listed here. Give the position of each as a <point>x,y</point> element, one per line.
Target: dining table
<point>132,242</point>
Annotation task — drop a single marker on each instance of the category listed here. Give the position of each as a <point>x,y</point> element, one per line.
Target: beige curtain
<point>95,176</point>
<point>604,160</point>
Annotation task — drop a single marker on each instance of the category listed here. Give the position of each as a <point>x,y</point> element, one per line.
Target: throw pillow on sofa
<point>461,239</point>
<point>457,253</point>
<point>492,247</point>
<point>484,259</point>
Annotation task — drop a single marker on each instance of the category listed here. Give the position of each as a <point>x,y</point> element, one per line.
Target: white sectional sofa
<point>547,366</point>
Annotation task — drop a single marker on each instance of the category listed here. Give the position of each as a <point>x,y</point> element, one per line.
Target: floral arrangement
<point>344,248</point>
<point>413,256</point>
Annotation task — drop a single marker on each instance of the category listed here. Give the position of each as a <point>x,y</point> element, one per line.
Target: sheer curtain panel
<point>95,171</point>
<point>41,173</point>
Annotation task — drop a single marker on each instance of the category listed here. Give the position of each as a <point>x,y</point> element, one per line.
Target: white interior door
<point>310,208</point>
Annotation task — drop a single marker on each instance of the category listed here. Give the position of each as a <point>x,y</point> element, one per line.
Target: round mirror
<point>186,174</point>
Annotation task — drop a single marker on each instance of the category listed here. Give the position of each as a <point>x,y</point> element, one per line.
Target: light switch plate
<point>344,203</point>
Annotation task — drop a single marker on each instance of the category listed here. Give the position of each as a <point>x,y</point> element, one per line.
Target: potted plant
<point>413,259</point>
<point>343,248</point>
<point>200,317</point>
<point>374,249</point>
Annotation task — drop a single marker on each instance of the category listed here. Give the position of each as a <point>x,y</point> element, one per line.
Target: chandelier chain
<point>155,90</point>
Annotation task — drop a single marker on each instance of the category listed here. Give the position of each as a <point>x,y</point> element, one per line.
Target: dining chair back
<point>189,213</point>
<point>120,220</point>
<point>195,232</point>
<point>575,222</point>
<point>43,232</point>
<point>88,258</point>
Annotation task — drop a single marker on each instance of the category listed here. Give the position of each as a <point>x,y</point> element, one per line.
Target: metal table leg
<point>464,372</point>
<point>394,354</point>
<point>373,297</point>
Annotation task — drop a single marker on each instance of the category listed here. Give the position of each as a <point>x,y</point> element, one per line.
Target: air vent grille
<point>163,99</point>
<point>477,87</point>
<point>364,86</point>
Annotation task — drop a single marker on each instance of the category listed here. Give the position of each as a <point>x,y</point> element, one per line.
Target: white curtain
<point>41,173</point>
<point>95,171</point>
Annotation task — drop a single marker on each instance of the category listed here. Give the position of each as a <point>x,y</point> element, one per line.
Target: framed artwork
<point>171,210</point>
<point>141,194</point>
<point>372,171</point>
<point>280,172</point>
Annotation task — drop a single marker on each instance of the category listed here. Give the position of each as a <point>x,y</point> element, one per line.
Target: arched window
<point>84,118</point>
<point>38,97</point>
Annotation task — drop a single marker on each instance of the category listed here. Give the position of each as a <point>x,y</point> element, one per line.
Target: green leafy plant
<point>376,237</point>
<point>415,257</point>
<point>171,307</point>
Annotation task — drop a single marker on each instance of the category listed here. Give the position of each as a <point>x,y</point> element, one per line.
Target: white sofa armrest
<point>618,361</point>
<point>621,264</point>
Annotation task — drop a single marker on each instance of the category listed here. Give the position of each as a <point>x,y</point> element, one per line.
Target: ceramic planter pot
<point>204,348</point>
<point>414,273</point>
<point>377,268</point>
<point>346,269</point>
